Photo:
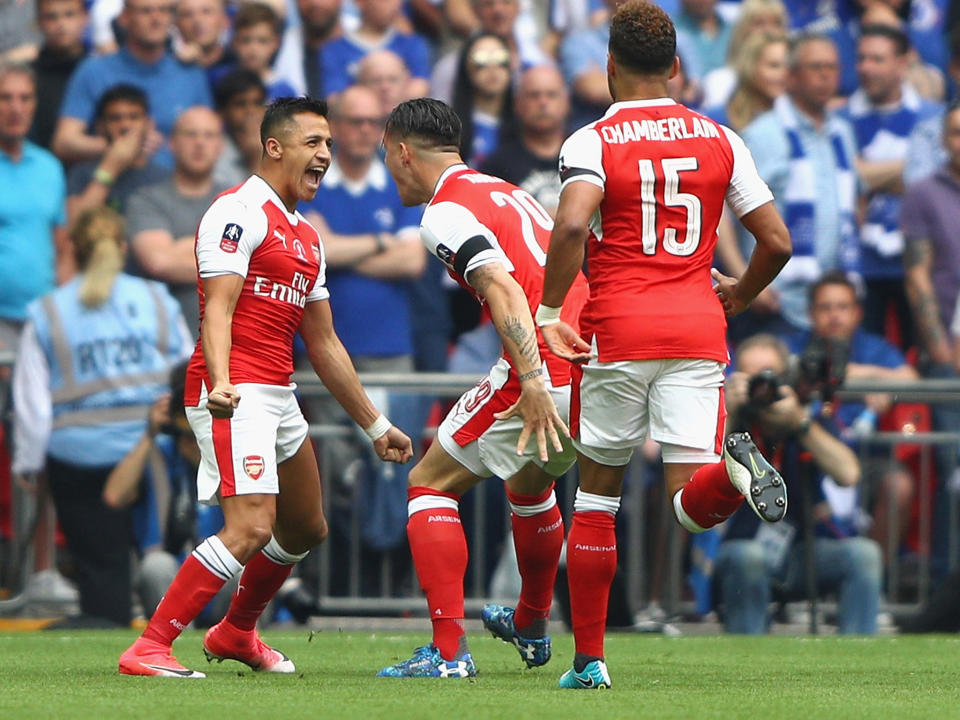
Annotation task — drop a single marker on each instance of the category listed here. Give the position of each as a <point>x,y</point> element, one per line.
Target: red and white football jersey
<point>476,219</point>
<point>247,231</point>
<point>665,172</point>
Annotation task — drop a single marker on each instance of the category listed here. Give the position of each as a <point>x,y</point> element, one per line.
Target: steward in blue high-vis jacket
<point>95,354</point>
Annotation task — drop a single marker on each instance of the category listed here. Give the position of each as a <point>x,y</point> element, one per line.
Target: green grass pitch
<point>73,675</point>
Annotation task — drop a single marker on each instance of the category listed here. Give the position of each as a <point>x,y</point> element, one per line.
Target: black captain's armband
<point>571,172</point>
<point>468,251</point>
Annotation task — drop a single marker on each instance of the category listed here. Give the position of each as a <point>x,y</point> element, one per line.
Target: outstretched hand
<point>726,291</point>
<point>540,418</point>
<point>564,342</point>
<point>393,446</point>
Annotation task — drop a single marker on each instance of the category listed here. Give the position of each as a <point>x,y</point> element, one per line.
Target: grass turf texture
<point>72,674</point>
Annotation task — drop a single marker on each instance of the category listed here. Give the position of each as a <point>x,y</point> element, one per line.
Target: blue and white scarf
<point>801,198</point>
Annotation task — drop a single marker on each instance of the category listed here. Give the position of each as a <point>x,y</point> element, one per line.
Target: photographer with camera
<point>836,315</point>
<point>758,562</point>
<point>156,481</point>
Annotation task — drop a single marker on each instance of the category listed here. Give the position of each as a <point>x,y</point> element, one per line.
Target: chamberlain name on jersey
<point>662,130</point>
<point>665,172</point>
<point>476,219</point>
<point>248,232</point>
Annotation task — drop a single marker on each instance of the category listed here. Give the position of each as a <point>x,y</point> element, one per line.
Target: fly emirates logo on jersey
<point>663,130</point>
<point>295,293</point>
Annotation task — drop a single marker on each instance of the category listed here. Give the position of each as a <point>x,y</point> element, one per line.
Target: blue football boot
<point>593,677</point>
<point>427,662</point>
<point>498,619</point>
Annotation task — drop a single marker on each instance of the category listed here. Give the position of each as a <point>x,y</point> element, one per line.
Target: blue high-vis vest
<point>107,365</point>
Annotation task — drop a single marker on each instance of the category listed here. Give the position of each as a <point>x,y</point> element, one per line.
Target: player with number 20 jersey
<point>492,236</point>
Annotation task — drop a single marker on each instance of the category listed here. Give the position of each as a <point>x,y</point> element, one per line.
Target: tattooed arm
<point>514,323</point>
<point>511,314</point>
<point>917,261</point>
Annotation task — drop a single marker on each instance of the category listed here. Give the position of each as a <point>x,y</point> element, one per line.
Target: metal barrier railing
<point>398,589</point>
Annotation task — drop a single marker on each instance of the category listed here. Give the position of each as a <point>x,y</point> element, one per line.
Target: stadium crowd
<point>151,108</point>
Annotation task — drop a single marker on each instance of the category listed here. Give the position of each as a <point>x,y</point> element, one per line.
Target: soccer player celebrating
<point>492,236</point>
<point>643,187</point>
<point>261,278</point>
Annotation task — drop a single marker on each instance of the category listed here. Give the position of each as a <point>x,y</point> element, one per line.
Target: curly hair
<point>643,38</point>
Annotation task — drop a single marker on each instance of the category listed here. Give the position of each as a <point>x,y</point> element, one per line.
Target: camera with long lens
<point>821,369</point>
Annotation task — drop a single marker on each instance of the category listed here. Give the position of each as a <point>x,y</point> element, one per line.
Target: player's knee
<point>316,532</point>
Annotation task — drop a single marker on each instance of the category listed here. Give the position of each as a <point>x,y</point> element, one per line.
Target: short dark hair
<point>901,43</point>
<point>643,38</point>
<point>430,121</point>
<point>281,111</point>
<point>834,277</point>
<point>121,93</point>
<point>234,83</point>
<point>256,13</point>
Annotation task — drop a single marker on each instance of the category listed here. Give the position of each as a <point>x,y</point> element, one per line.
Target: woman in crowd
<point>94,356</point>
<point>761,68</point>
<point>483,96</point>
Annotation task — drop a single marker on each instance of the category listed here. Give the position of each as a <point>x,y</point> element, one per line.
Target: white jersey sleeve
<point>460,241</point>
<point>747,190</point>
<point>229,233</point>
<point>319,290</point>
<point>581,159</point>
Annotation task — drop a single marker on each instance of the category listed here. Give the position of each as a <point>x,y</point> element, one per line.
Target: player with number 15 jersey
<point>644,187</point>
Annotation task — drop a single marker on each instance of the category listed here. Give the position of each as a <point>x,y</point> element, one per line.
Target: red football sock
<point>261,579</point>
<point>709,498</point>
<point>439,551</point>
<point>538,539</point>
<point>591,565</point>
<point>190,591</point>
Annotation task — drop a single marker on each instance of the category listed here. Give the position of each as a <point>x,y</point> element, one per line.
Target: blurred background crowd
<point>121,121</point>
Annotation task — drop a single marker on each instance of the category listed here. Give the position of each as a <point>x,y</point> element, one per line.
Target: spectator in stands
<point>157,481</point>
<point>256,39</point>
<point>34,248</point>
<point>383,72</point>
<point>761,77</point>
<point>300,60</point>
<point>162,217</point>
<point>583,60</point>
<point>835,315</point>
<point>94,356</point>
<point>757,562</point>
<point>483,97</point>
<point>373,254</point>
<point>241,101</point>
<point>929,219</point>
<point>500,18</point>
<point>18,33</point>
<point>123,118</point>
<point>806,155</point>
<point>705,32</point>
<point>144,62</point>
<point>62,23</point>
<point>530,159</point>
<point>376,32</point>
<point>838,21</point>
<point>757,17</point>
<point>202,26</point>
<point>883,111</point>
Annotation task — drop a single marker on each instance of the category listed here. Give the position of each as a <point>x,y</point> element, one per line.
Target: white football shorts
<point>488,447</point>
<point>239,455</point>
<point>678,402</point>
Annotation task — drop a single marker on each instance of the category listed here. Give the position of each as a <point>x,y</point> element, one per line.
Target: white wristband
<point>379,428</point>
<point>547,315</point>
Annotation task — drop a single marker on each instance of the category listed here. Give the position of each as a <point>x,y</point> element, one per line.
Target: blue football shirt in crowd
<point>342,55</point>
<point>171,88</point>
<point>373,314</point>
<point>33,195</point>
